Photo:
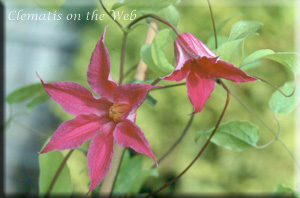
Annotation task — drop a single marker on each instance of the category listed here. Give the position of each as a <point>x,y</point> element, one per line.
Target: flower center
<point>117,110</point>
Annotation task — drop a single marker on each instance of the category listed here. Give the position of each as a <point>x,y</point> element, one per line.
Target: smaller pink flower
<point>200,66</point>
<point>113,115</point>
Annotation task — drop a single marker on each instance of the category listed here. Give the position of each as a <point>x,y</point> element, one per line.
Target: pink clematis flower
<point>200,66</point>
<point>113,115</point>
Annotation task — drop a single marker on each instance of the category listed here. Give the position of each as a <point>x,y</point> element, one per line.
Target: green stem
<point>123,57</point>
<point>156,81</point>
<point>168,86</point>
<point>117,22</point>
<point>213,22</point>
<point>156,18</point>
<point>277,88</point>
<point>203,148</point>
<point>60,168</point>
<point>263,122</point>
<point>175,143</point>
<point>117,173</point>
<point>43,135</point>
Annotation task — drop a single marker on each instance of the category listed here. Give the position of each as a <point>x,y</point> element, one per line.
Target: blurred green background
<point>219,170</point>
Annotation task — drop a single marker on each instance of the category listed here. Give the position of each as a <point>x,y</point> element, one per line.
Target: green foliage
<point>234,135</point>
<point>287,59</point>
<point>284,190</point>
<point>131,176</point>
<point>244,29</point>
<point>52,5</point>
<point>154,54</point>
<point>49,163</point>
<point>77,164</point>
<point>211,41</point>
<point>145,5</point>
<point>233,50</point>
<point>158,51</point>
<point>34,92</point>
<point>171,14</point>
<point>281,104</point>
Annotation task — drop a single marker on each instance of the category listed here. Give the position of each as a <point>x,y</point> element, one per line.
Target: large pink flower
<point>200,66</point>
<point>113,115</point>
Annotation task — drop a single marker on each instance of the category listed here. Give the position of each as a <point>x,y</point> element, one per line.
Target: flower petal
<point>71,134</point>
<point>75,98</point>
<point>222,69</point>
<point>98,73</point>
<point>199,89</point>
<point>100,155</point>
<point>180,74</point>
<point>189,47</point>
<point>128,134</point>
<point>132,94</point>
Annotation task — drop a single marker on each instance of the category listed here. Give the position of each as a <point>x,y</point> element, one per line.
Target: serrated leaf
<point>234,135</point>
<point>281,104</point>
<point>146,5</point>
<point>49,163</point>
<point>243,29</point>
<point>171,14</point>
<point>50,5</point>
<point>158,52</point>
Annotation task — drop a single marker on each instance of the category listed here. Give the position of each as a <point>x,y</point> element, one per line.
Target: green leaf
<point>211,41</point>
<point>234,135</point>
<point>158,52</point>
<point>49,163</point>
<point>257,55</point>
<point>146,5</point>
<point>281,104</point>
<point>34,93</point>
<point>38,100</point>
<point>283,189</point>
<point>143,176</point>
<point>243,29</point>
<point>51,5</point>
<point>145,54</point>
<point>287,59</point>
<point>232,52</point>
<point>77,164</point>
<point>129,172</point>
<point>171,14</point>
<point>24,93</point>
<point>131,176</point>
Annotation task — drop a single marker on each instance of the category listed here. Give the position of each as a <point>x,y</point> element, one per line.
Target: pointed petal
<point>71,134</point>
<point>199,89</point>
<point>180,74</point>
<point>128,134</point>
<point>75,98</point>
<point>222,69</point>
<point>98,73</point>
<point>132,94</point>
<point>100,155</point>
